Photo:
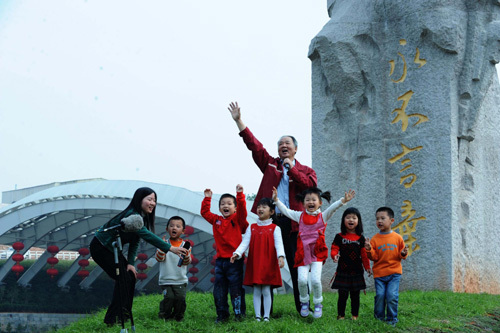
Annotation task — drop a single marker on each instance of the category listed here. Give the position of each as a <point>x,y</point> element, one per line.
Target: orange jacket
<point>386,254</point>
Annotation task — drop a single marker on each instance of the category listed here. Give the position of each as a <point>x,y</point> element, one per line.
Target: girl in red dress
<point>266,256</point>
<point>311,248</point>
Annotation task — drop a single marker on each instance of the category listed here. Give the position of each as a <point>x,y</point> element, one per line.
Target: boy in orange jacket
<point>386,249</point>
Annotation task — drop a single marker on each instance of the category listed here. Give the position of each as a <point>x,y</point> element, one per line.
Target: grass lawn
<point>418,312</point>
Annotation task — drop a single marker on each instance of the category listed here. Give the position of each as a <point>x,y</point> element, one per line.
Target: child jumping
<point>173,279</point>
<point>265,257</point>
<point>386,249</point>
<point>349,252</point>
<point>311,247</point>
<point>227,230</point>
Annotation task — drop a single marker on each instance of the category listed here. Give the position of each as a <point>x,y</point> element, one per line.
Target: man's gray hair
<point>289,136</point>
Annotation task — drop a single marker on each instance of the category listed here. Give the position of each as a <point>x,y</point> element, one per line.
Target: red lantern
<point>189,230</point>
<point>84,251</point>
<point>214,246</point>
<point>83,273</point>
<point>53,249</point>
<point>18,246</point>
<point>18,257</point>
<point>141,276</point>
<point>193,279</point>
<point>212,279</point>
<point>142,266</point>
<point>83,262</point>
<point>17,269</point>
<point>193,270</point>
<point>194,261</point>
<point>212,262</point>
<point>191,242</point>
<point>52,272</point>
<point>52,261</point>
<point>212,271</point>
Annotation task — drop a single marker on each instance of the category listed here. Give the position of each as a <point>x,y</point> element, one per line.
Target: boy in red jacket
<point>227,230</point>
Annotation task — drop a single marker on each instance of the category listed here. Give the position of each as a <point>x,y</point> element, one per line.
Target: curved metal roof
<point>68,215</point>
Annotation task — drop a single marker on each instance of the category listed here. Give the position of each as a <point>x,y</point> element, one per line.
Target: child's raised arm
<point>291,214</point>
<point>275,194</point>
<point>205,207</point>
<point>348,196</point>
<point>241,209</point>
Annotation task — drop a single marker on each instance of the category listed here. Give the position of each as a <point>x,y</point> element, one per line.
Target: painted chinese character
<point>409,225</point>
<point>401,114</point>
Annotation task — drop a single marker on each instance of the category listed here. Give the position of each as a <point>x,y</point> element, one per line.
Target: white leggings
<point>258,291</point>
<point>303,274</point>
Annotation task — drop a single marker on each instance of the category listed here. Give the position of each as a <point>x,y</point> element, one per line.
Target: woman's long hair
<point>136,205</point>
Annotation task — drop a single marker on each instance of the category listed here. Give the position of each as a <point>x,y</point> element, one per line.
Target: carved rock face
<point>405,110</point>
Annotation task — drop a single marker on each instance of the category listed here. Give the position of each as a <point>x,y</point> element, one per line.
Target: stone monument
<point>405,110</point>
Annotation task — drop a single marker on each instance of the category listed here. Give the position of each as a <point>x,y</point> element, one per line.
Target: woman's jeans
<point>387,297</point>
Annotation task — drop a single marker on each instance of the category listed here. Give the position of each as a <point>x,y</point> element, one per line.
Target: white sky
<point>140,89</point>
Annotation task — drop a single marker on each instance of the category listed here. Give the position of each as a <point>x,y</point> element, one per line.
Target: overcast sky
<point>139,90</point>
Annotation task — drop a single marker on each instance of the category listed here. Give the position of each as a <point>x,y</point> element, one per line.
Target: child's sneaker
<point>266,318</point>
<point>304,309</point>
<point>257,318</point>
<point>318,311</point>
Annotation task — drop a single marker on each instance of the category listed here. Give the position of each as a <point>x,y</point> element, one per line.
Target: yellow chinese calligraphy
<point>405,151</point>
<point>406,227</point>
<point>401,112</point>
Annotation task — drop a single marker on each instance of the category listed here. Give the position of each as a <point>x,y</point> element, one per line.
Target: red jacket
<point>301,176</point>
<point>227,232</point>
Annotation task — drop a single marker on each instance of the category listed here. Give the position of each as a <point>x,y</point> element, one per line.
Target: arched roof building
<point>67,215</point>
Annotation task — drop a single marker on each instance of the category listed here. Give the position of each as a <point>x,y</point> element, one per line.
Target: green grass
<point>418,312</point>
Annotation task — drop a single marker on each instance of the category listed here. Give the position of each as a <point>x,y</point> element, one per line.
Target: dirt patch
<point>488,323</point>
